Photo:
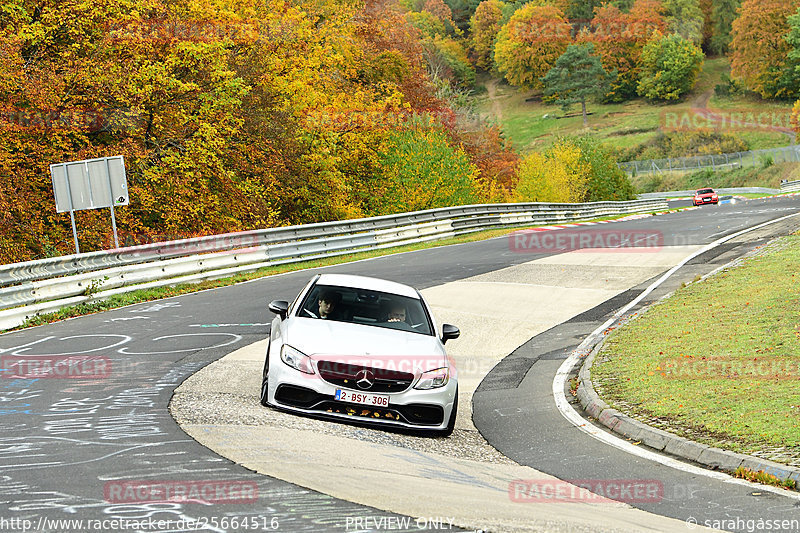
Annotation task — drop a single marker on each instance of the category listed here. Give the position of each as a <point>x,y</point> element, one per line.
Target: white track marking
<point>566,409</point>
<point>236,338</point>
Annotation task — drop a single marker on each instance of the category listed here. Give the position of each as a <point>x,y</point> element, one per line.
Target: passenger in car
<point>396,313</point>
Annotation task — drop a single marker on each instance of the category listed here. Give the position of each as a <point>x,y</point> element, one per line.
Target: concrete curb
<point>713,458</point>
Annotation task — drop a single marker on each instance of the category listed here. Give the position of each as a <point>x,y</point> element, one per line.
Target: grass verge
<point>757,176</point>
<point>146,295</point>
<point>718,361</point>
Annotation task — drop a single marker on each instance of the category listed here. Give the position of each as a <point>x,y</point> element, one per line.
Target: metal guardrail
<point>45,285</point>
<point>722,190</point>
<point>713,161</point>
<point>790,186</point>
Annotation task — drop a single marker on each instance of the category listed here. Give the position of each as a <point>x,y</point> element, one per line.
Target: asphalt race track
<point>67,446</point>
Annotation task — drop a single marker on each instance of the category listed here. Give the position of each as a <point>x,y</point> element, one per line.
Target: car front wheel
<point>451,423</point>
<point>265,382</point>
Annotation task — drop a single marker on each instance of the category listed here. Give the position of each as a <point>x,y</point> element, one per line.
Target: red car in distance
<point>705,196</point>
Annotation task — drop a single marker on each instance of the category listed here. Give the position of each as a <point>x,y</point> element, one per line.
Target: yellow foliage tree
<point>795,120</point>
<point>530,43</point>
<point>557,175</point>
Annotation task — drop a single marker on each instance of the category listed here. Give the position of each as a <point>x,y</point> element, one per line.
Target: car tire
<point>451,423</point>
<point>265,382</point>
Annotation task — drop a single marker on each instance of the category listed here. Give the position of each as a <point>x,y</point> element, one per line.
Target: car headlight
<point>433,379</point>
<point>296,359</point>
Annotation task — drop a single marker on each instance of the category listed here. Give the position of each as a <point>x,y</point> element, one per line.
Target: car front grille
<point>418,414</point>
<point>359,377</point>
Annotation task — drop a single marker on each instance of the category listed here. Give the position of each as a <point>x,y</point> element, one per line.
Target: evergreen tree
<point>723,13</point>
<point>685,18</point>
<point>577,76</point>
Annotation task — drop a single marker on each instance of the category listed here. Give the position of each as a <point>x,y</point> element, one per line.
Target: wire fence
<point>751,158</point>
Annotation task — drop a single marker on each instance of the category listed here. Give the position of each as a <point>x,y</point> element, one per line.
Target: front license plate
<point>376,400</point>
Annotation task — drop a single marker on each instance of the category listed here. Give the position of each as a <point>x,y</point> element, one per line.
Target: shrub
<point>606,180</point>
<point>573,170</point>
<point>670,66</point>
<point>421,170</point>
<point>683,144</point>
<point>557,175</point>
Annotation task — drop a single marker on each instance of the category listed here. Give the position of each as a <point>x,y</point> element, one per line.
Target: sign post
<point>90,184</point>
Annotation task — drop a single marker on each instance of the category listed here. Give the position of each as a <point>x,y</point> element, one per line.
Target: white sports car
<point>362,349</point>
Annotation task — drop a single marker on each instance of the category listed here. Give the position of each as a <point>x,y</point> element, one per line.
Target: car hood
<point>323,339</point>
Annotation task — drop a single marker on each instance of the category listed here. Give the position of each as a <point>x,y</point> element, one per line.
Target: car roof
<point>364,282</point>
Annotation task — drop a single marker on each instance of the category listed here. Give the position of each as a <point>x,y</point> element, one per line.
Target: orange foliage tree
<point>619,39</point>
<point>759,50</point>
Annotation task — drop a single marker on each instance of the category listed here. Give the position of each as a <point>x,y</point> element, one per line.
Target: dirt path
<point>491,89</point>
<point>700,108</point>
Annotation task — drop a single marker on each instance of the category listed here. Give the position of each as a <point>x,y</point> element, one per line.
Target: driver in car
<point>328,303</point>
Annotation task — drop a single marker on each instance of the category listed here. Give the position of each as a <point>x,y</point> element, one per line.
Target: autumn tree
<point>426,23</point>
<point>670,65</point>
<point>421,170</point>
<point>484,26</point>
<point>447,60</point>
<point>573,170</point>
<point>557,175</point>
<point>619,39</point>
<point>577,76</point>
<point>759,50</point>
<point>607,182</point>
<point>793,37</point>
<point>530,43</point>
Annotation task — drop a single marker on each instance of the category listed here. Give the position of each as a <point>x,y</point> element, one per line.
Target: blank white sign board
<point>90,184</point>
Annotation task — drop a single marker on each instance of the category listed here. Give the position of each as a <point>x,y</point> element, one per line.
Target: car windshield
<point>371,308</point>
<point>705,191</point>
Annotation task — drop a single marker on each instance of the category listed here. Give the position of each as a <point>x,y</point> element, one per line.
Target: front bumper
<point>292,390</point>
<point>705,201</point>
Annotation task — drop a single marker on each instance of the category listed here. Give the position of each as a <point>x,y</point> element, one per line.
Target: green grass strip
<point>718,361</point>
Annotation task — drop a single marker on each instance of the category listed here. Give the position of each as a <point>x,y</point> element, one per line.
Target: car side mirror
<point>449,332</point>
<point>279,307</point>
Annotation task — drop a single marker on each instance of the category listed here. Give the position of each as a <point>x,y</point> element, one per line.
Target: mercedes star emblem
<point>365,379</point>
